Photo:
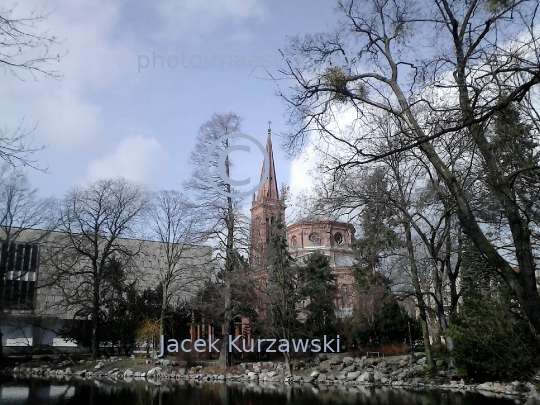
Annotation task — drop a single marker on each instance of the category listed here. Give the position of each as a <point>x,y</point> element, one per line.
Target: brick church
<point>303,238</point>
<point>332,238</point>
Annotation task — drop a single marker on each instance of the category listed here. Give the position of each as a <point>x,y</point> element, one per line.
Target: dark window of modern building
<point>20,275</point>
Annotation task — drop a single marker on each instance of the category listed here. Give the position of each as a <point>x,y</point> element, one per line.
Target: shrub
<point>492,340</point>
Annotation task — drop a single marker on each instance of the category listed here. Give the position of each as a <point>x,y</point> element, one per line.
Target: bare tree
<point>442,69</point>
<point>83,258</point>
<point>176,224</point>
<point>280,290</point>
<point>225,226</point>
<point>21,211</point>
<point>24,47</point>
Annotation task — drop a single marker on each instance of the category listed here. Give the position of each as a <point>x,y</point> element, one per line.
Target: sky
<point>139,78</point>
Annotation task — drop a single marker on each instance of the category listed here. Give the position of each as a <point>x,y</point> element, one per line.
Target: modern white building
<point>33,307</point>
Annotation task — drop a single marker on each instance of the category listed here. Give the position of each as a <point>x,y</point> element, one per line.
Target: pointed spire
<point>269,188</point>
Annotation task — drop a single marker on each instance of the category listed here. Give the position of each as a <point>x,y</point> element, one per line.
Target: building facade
<point>332,238</point>
<point>34,309</point>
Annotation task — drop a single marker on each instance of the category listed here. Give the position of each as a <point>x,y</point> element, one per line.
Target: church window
<point>345,297</point>
<point>338,237</point>
<point>294,241</point>
<point>314,238</point>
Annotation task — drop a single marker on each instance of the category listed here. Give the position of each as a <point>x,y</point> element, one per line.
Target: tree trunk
<point>225,357</point>
<point>1,345</point>
<point>419,297</point>
<point>95,343</point>
<point>287,356</point>
<point>163,308</point>
<point>95,317</point>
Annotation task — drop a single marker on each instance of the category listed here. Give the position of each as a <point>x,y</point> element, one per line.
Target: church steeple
<point>269,188</point>
<point>265,210</point>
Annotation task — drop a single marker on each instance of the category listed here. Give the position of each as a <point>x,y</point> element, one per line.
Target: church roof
<point>269,189</point>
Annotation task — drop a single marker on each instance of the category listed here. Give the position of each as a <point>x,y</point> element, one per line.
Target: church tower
<point>266,207</point>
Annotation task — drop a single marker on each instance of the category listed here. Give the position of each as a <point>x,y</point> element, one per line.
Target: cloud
<point>136,158</point>
<point>206,16</point>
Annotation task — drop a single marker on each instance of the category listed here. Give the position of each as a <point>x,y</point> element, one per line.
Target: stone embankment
<point>399,371</point>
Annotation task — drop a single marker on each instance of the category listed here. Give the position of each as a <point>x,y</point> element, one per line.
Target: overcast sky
<point>123,107</point>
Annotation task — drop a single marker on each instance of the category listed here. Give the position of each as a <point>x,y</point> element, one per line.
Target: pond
<point>94,392</point>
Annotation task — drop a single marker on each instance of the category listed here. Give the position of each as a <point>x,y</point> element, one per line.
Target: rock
<point>257,369</point>
<point>371,361</point>
<point>348,361</point>
<point>272,374</point>
<point>353,375</point>
<point>521,387</point>
<point>68,371</point>
<point>485,386</point>
<point>129,373</point>
<point>321,378</point>
<point>533,401</point>
<point>349,369</point>
<point>154,372</point>
<point>418,356</point>
<point>377,376</point>
<point>325,366</point>
<point>99,365</point>
<point>335,360</point>
<point>308,379</point>
<point>366,377</point>
<point>315,374</point>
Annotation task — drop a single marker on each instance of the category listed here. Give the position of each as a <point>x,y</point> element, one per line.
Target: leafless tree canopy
<point>440,73</point>
<point>92,220</point>
<point>227,229</point>
<point>175,222</point>
<point>21,211</point>
<point>24,46</point>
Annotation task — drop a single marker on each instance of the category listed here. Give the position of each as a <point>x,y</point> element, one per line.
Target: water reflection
<point>94,392</point>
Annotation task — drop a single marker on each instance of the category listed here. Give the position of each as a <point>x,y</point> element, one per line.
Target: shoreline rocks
<point>395,372</point>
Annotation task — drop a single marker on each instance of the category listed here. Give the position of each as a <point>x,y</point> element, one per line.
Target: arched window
<point>345,297</point>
